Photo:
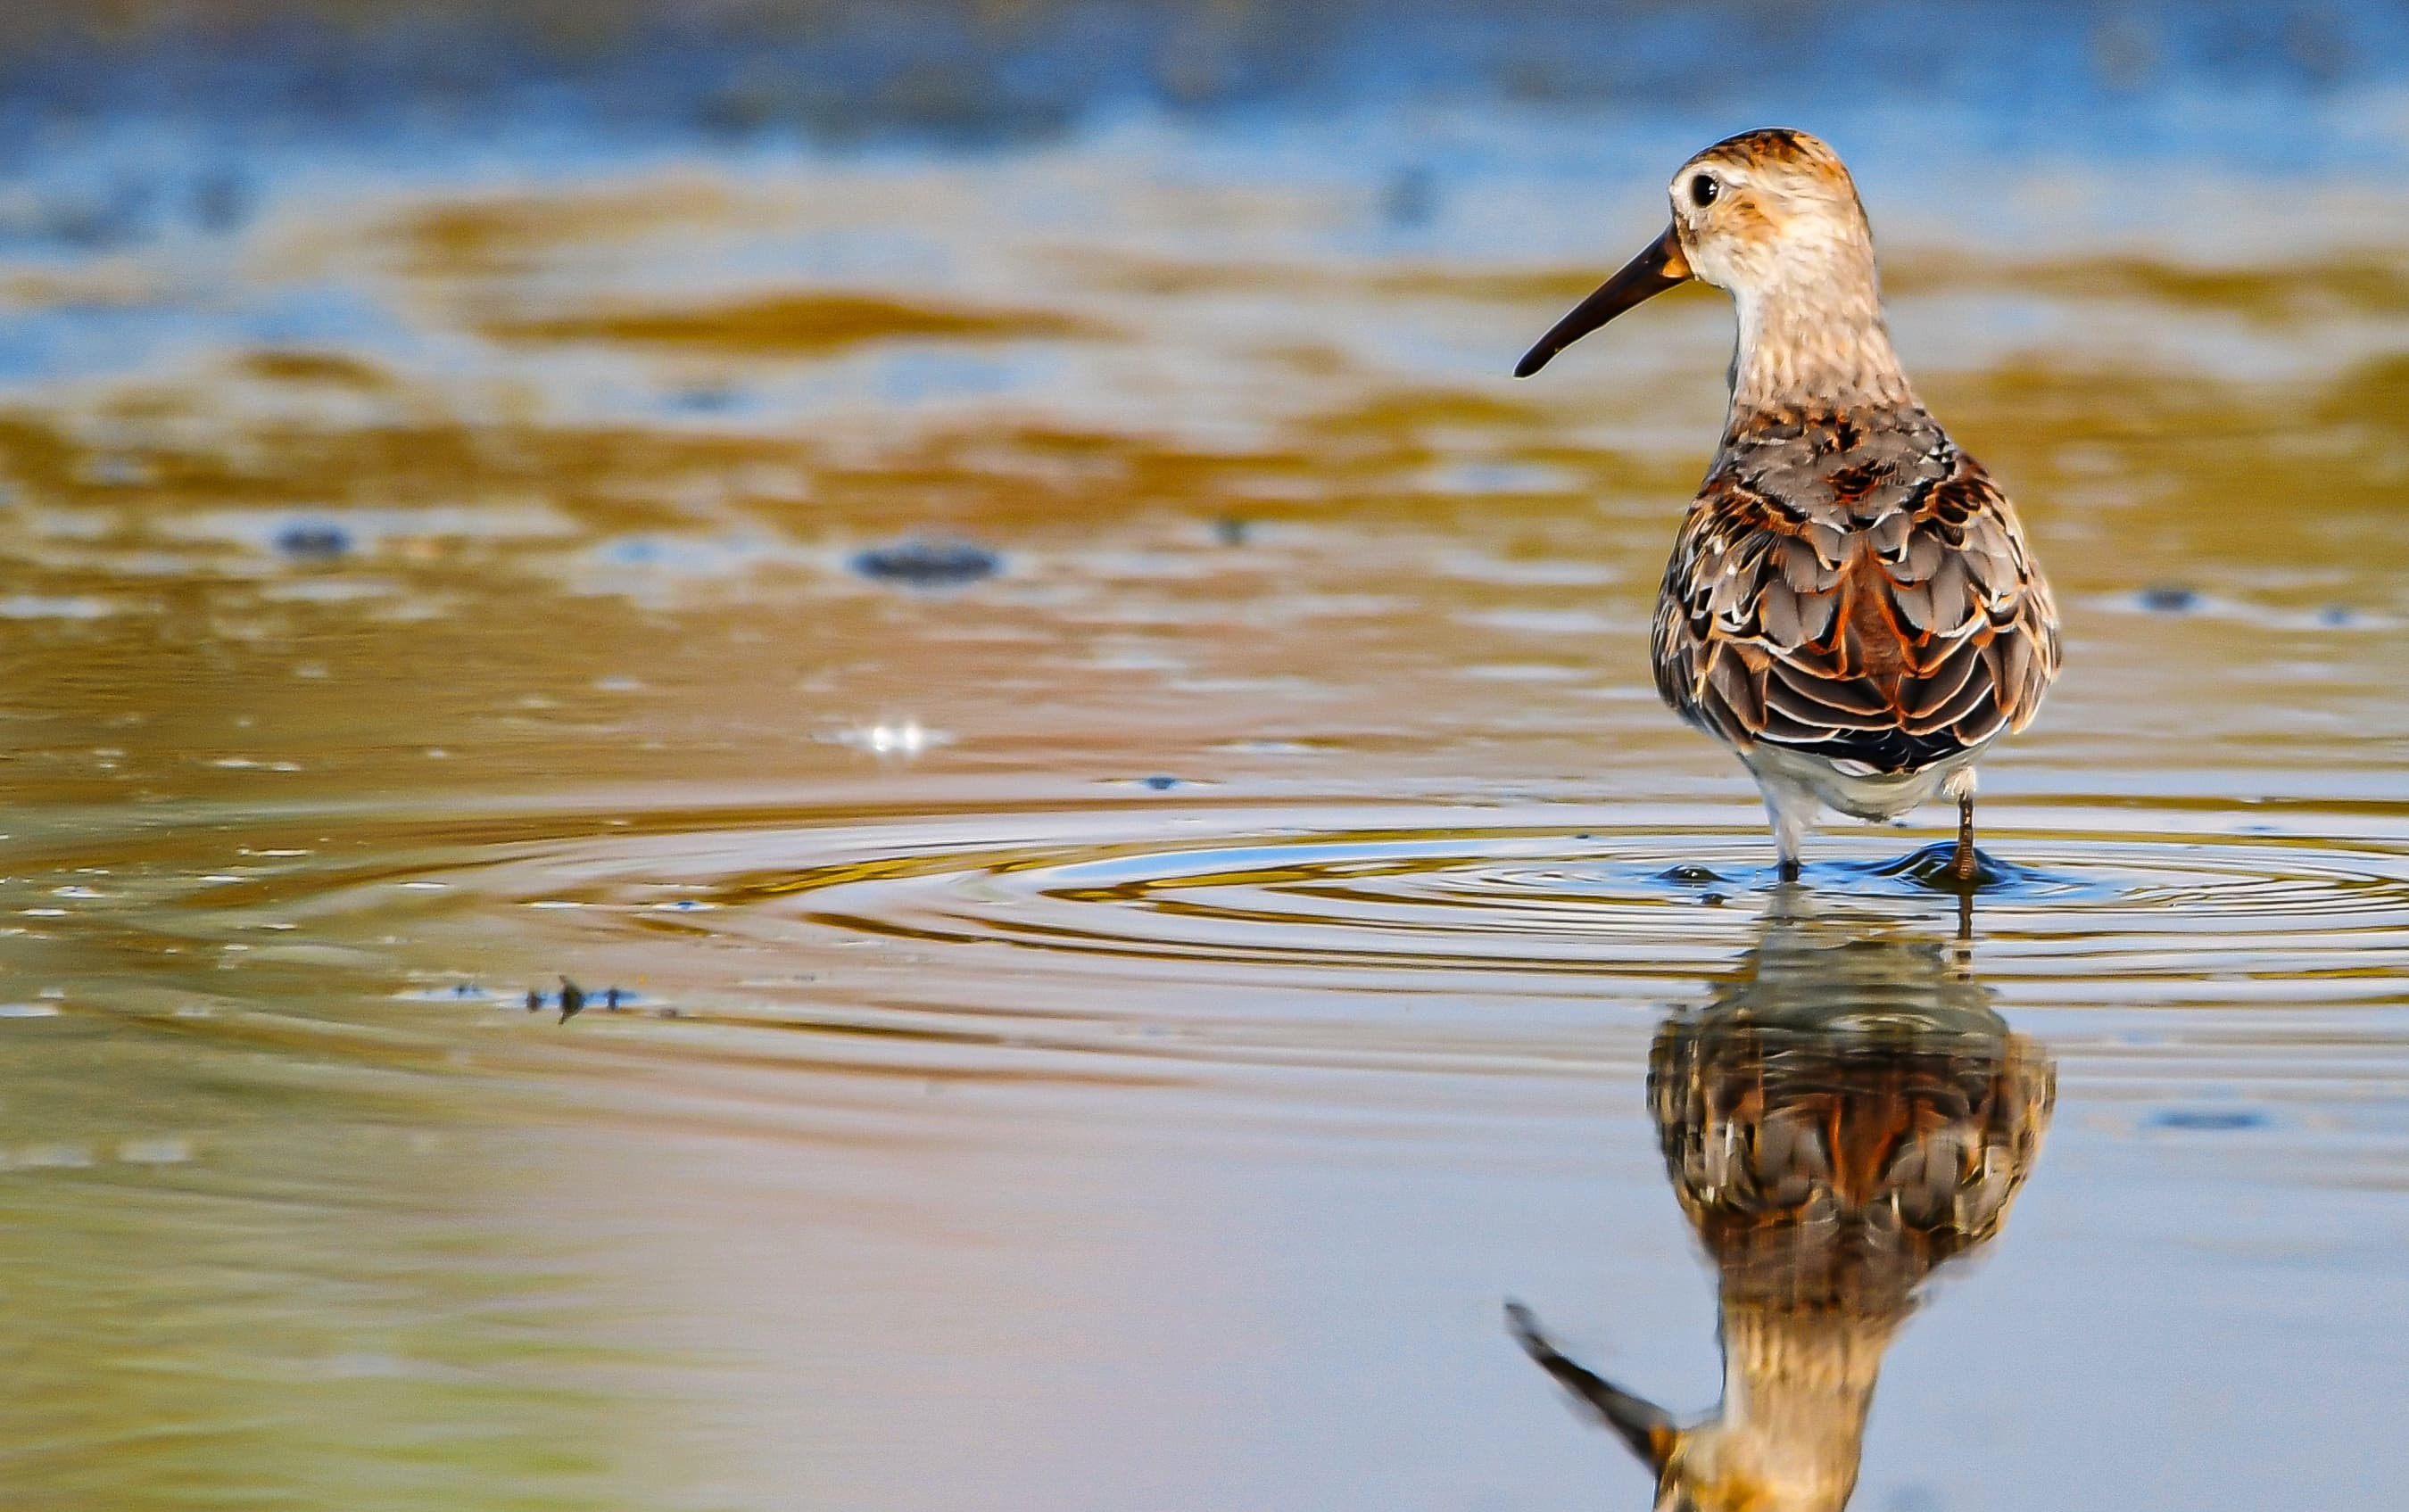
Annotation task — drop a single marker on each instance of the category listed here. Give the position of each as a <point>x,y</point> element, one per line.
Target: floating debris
<point>316,539</point>
<point>705,399</point>
<point>1231,531</point>
<point>2209,1120</point>
<point>928,563</point>
<point>575,1000</point>
<point>2169,598</point>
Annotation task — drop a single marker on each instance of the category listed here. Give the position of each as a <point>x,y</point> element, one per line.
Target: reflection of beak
<point>1642,279</point>
<point>1643,1425</point>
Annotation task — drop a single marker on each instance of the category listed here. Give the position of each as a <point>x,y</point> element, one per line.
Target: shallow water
<point>1111,1031</point>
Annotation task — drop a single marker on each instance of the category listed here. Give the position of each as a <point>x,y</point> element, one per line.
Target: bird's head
<point>1801,1455</point>
<point>1714,1468</point>
<point>1756,213</point>
<point>1765,208</point>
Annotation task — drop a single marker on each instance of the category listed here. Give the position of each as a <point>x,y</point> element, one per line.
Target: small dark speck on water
<point>1159,782</point>
<point>313,540</point>
<point>1230,530</point>
<point>2209,1120</point>
<point>574,998</point>
<point>1410,200</point>
<point>928,563</point>
<point>1712,899</point>
<point>2335,614</point>
<point>704,401</point>
<point>1688,876</point>
<point>2169,598</point>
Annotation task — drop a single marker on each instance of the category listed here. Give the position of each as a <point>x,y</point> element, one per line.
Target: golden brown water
<point>1108,1034</point>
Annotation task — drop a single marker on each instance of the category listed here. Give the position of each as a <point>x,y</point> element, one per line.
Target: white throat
<point>1812,336</point>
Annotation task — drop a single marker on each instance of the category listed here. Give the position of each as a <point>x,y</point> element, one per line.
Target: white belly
<point>1797,782</point>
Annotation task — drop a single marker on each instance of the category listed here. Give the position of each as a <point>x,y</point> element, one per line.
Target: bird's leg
<point>1963,866</point>
<point>1788,839</point>
<point>1788,812</point>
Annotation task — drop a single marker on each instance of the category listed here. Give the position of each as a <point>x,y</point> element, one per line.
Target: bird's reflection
<point>1847,1115</point>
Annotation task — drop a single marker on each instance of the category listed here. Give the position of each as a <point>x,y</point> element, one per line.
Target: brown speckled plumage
<point>1847,1117</point>
<point>1850,586</point>
<point>1851,604</point>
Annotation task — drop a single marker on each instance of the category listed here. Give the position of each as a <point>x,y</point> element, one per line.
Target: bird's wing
<point>1893,638</point>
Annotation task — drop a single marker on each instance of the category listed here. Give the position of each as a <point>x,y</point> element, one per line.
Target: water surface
<point>1107,1022</point>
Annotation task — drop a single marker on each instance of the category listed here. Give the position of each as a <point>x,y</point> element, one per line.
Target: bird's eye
<point>1703,191</point>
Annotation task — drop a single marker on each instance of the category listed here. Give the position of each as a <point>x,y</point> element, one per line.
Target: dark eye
<point>1703,191</point>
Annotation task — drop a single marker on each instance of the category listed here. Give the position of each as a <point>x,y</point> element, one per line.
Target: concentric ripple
<point>1646,901</point>
<point>1546,901</point>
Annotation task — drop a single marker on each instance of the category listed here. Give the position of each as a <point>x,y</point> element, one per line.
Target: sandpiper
<point>1848,1116</point>
<point>1850,605</point>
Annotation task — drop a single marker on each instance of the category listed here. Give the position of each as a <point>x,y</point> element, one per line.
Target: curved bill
<point>1642,279</point>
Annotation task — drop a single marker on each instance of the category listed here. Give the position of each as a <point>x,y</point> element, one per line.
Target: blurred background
<point>980,565</point>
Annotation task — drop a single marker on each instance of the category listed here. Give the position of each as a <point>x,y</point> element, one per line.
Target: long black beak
<point>1640,1423</point>
<point>1642,279</point>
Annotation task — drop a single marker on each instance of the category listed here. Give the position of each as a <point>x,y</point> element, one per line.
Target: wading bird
<point>1848,1116</point>
<point>1850,605</point>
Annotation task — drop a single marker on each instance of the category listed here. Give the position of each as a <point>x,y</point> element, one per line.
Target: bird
<point>1851,604</point>
<point>1847,1118</point>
